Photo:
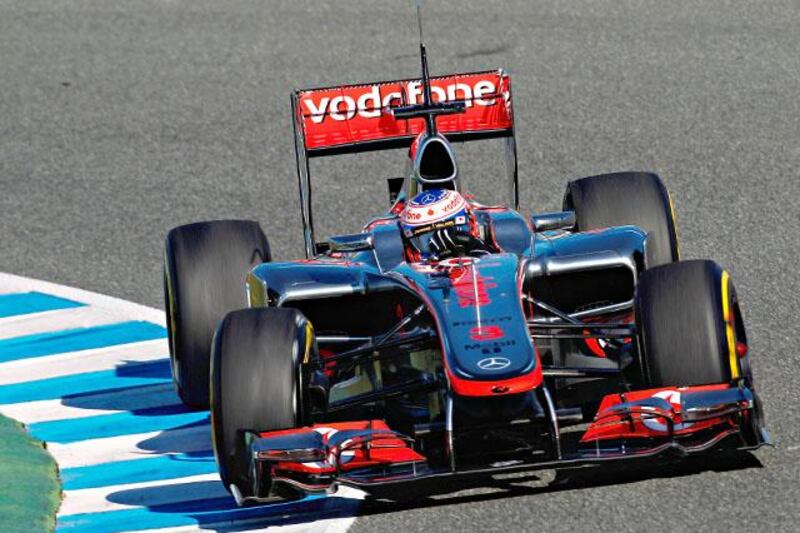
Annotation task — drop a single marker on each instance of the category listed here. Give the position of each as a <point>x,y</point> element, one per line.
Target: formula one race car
<point>452,338</point>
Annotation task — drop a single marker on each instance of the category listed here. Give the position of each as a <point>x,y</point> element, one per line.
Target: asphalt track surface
<point>121,120</point>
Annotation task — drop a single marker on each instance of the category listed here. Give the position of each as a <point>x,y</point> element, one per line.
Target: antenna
<point>419,20</point>
<point>426,80</point>
<point>428,109</point>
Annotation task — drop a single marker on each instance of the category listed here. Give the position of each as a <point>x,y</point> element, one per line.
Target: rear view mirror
<point>356,242</point>
<point>553,221</point>
<point>395,186</point>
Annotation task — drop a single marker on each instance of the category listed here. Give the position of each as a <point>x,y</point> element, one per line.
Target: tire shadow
<point>211,507</point>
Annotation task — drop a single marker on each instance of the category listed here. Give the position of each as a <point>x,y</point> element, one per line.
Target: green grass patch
<point>29,487</point>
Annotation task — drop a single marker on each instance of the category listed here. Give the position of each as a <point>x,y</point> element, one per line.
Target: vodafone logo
<point>368,102</point>
<point>433,206</point>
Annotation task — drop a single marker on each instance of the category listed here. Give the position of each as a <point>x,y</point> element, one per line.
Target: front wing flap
<point>312,459</point>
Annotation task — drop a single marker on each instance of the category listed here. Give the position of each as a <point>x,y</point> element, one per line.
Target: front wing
<point>639,424</point>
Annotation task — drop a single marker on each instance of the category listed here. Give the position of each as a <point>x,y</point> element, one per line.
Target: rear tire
<point>256,383</point>
<point>205,267</point>
<point>685,338</point>
<point>627,198</point>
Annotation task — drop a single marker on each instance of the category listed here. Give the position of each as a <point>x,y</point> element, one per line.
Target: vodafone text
<point>369,103</point>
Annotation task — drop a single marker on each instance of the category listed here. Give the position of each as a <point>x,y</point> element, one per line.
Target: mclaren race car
<point>451,338</point>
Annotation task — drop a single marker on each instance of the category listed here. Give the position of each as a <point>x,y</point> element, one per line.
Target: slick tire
<point>627,198</point>
<point>256,384</point>
<point>688,321</point>
<point>205,267</point>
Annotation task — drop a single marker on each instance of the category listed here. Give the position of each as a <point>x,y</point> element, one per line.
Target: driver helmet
<point>430,211</point>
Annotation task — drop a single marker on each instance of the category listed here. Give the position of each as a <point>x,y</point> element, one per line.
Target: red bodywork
<point>650,422</point>
<point>385,451</point>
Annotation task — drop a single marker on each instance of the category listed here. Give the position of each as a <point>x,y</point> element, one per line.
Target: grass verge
<point>29,487</point>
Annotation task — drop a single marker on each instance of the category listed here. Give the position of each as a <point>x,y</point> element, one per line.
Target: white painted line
<point>80,362</point>
<point>793,448</point>
<point>179,529</point>
<point>102,310</point>
<point>10,283</point>
<point>125,400</point>
<point>59,319</point>
<point>128,447</point>
<point>209,528</point>
<point>144,494</point>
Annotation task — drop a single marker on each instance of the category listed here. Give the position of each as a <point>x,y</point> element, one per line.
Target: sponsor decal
<point>658,424</point>
<point>353,114</point>
<point>488,320</point>
<point>494,363</point>
<point>429,197</point>
<point>368,101</point>
<point>471,291</point>
<point>486,333</point>
<point>455,263</point>
<point>490,348</point>
<point>345,457</point>
<point>413,232</point>
<point>434,206</point>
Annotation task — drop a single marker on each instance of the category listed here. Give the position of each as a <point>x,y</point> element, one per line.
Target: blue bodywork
<point>476,303</point>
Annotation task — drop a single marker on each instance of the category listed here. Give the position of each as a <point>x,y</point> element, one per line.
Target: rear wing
<point>359,118</point>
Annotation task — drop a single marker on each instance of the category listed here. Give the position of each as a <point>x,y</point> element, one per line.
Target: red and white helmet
<point>432,210</point>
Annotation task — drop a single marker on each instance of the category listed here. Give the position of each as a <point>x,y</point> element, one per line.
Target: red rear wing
<point>356,118</point>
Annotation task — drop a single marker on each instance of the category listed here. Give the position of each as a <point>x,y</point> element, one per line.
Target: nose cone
<point>434,161</point>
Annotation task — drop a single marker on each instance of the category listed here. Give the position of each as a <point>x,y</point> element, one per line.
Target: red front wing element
<point>311,458</point>
<point>346,447</point>
<point>666,413</point>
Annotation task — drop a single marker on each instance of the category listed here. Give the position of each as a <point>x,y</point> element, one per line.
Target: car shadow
<point>144,390</point>
<point>213,509</point>
<point>566,479</point>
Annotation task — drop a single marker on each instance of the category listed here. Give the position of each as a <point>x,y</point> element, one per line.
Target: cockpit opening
<point>437,165</point>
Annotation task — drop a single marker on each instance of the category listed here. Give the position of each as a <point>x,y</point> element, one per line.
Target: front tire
<point>256,383</point>
<point>689,324</point>
<point>627,198</point>
<point>205,267</point>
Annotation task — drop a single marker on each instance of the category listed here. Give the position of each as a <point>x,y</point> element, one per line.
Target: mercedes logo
<point>493,363</point>
<point>427,199</point>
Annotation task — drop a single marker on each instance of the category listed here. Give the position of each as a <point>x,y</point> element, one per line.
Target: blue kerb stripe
<point>129,375</point>
<point>70,340</point>
<point>139,470</point>
<point>114,425</point>
<point>200,513</point>
<point>24,303</point>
